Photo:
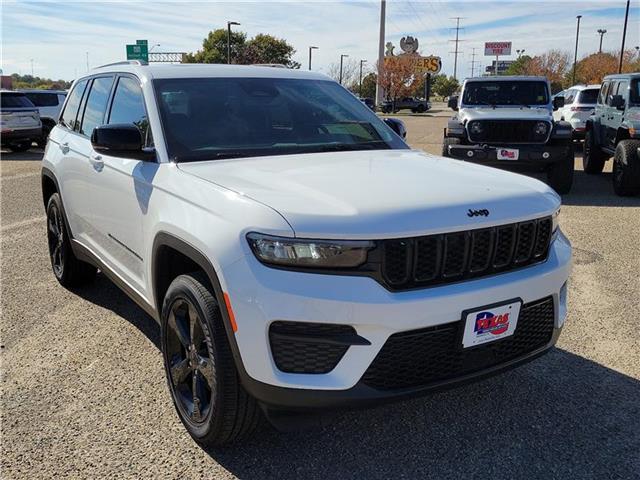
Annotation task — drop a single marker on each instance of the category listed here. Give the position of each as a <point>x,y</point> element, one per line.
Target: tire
<point>592,157</point>
<point>201,361</point>
<point>42,141</point>
<point>420,109</point>
<point>445,144</point>
<point>68,270</point>
<point>560,174</point>
<point>626,168</point>
<point>20,147</point>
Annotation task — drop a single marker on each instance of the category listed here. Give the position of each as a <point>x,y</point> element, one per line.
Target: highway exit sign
<point>138,52</point>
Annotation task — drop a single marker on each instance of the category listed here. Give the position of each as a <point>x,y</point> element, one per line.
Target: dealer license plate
<point>489,324</point>
<point>508,153</point>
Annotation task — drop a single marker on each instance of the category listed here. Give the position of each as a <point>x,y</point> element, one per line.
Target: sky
<point>55,37</point>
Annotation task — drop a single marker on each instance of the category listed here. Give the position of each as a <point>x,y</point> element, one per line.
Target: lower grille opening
<point>420,357</point>
<point>300,347</point>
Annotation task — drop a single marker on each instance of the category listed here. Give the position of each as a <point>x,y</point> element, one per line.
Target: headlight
<point>476,128</point>
<point>555,221</point>
<point>307,253</point>
<point>541,128</point>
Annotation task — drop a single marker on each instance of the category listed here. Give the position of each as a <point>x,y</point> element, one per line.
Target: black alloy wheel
<point>190,361</point>
<point>55,238</point>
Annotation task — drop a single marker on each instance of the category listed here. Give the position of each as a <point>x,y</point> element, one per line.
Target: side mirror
<point>397,126</point>
<point>453,102</point>
<point>120,140</point>
<point>558,102</point>
<point>617,101</point>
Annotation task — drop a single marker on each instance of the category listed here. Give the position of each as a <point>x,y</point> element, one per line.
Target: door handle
<point>96,161</point>
<point>64,147</point>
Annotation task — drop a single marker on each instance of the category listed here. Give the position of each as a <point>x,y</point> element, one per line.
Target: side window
<point>602,96</point>
<point>43,99</point>
<point>128,107</point>
<point>569,97</point>
<point>623,86</point>
<point>611,92</point>
<point>96,105</point>
<point>70,113</point>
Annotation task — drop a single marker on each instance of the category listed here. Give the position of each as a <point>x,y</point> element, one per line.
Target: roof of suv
<point>621,76</point>
<point>41,90</point>
<point>504,78</point>
<point>585,87</point>
<point>195,70</point>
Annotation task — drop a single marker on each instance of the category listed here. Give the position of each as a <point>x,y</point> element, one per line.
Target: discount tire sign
<point>497,48</point>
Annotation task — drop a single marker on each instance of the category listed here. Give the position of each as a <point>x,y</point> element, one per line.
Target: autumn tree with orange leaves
<point>593,68</point>
<point>397,76</point>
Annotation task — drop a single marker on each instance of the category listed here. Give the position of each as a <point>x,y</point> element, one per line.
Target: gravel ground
<point>84,396</point>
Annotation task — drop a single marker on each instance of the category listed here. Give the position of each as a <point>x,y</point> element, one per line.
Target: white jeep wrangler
<point>507,122</point>
<point>295,252</point>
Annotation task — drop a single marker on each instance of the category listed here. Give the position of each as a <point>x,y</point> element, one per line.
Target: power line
<point>473,61</point>
<point>456,51</point>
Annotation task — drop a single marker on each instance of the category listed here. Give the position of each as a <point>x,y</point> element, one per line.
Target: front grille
<point>297,347</point>
<point>420,357</point>
<point>508,132</point>
<point>423,261</point>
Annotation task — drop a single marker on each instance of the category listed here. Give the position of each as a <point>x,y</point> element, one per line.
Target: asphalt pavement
<point>84,394</point>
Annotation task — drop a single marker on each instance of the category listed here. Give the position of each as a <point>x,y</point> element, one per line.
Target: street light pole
<point>229,40</point>
<point>311,48</point>
<point>341,60</point>
<point>379,88</point>
<point>32,67</point>
<point>601,32</point>
<point>154,46</point>
<point>624,36</point>
<point>520,52</point>
<point>360,90</point>
<point>575,56</point>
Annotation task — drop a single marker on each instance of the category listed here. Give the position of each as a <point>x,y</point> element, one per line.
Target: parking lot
<point>84,393</point>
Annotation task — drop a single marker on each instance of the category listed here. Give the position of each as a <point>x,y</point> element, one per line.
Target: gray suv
<point>614,131</point>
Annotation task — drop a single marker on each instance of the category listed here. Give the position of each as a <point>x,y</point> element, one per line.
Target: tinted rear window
<point>43,99</point>
<point>588,96</point>
<point>15,100</point>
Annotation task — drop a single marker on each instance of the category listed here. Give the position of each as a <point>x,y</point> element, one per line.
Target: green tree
<point>28,81</point>
<point>445,86</point>
<point>268,49</point>
<point>214,48</point>
<point>369,85</point>
<point>519,66</point>
<point>262,48</point>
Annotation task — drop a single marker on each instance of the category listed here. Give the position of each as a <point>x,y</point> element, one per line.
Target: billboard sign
<point>494,49</point>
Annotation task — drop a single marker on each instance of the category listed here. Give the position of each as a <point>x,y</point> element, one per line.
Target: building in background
<point>503,66</point>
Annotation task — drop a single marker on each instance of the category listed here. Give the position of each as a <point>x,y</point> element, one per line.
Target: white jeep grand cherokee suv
<point>296,253</point>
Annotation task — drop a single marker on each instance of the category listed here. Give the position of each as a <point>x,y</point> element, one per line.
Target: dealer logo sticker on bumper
<point>508,154</point>
<point>490,324</point>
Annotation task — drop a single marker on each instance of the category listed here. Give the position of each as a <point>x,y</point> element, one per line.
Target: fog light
<point>469,153</point>
<point>545,155</point>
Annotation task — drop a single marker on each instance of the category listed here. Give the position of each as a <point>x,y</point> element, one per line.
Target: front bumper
<point>529,156</point>
<point>261,295</point>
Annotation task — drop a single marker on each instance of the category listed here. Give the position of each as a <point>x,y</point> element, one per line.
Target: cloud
<point>57,35</point>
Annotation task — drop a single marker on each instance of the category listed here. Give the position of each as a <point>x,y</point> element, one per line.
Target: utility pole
<point>360,90</point>
<point>473,61</point>
<point>624,36</point>
<point>379,89</point>
<point>310,49</point>
<point>456,51</point>
<point>341,61</point>
<point>229,40</point>
<point>32,67</point>
<point>601,31</point>
<point>575,56</point>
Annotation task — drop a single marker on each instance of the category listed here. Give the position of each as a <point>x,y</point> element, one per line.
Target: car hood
<point>379,194</point>
<point>502,113</point>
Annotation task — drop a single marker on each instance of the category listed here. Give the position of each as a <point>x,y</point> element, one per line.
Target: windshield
<point>215,118</point>
<point>588,96</point>
<point>15,100</point>
<point>634,92</point>
<point>505,93</point>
